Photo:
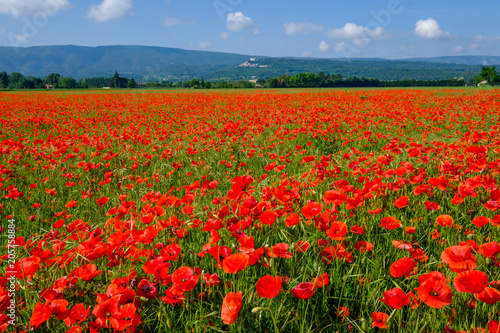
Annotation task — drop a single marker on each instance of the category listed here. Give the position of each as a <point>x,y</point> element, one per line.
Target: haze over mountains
<point>149,63</point>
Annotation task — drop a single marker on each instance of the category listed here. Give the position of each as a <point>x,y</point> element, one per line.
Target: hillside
<point>149,63</point>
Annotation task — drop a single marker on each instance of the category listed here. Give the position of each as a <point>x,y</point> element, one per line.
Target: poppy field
<point>265,211</point>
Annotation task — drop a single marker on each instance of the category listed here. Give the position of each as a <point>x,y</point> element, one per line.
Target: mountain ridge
<point>163,63</point>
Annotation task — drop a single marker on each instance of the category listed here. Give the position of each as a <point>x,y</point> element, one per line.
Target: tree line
<point>16,80</point>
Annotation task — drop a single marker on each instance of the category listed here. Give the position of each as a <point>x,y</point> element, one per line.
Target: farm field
<point>250,211</point>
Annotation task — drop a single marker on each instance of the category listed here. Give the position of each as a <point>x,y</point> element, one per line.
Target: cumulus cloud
<point>110,10</point>
<point>487,39</point>
<point>303,28</point>
<point>22,38</point>
<point>323,46</point>
<point>238,22</point>
<point>224,35</point>
<point>204,45</point>
<point>18,8</point>
<point>170,21</point>
<point>340,46</point>
<point>358,34</point>
<point>430,29</point>
<point>306,54</point>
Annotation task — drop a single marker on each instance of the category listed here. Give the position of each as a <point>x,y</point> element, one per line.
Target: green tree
<point>488,74</point>
<point>4,80</point>
<point>16,80</point>
<point>53,79</point>
<point>131,83</point>
<point>67,83</point>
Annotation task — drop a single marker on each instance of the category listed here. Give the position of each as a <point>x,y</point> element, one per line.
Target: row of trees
<point>302,80</point>
<point>16,80</point>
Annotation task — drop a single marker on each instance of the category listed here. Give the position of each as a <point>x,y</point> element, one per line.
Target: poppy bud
<point>364,327</point>
<point>169,322</point>
<point>470,236</point>
<point>257,309</point>
<point>488,261</point>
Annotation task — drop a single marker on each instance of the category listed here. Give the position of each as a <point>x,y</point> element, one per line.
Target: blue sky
<point>316,28</point>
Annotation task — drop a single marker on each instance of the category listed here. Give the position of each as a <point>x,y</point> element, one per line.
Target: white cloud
<point>18,8</point>
<point>291,29</point>
<point>430,29</point>
<point>358,34</point>
<point>487,39</point>
<point>170,21</point>
<point>306,54</point>
<point>224,35</point>
<point>110,10</point>
<point>323,46</point>
<point>340,46</point>
<point>22,38</point>
<point>238,22</point>
<point>204,45</point>
<point>458,48</point>
<point>473,46</point>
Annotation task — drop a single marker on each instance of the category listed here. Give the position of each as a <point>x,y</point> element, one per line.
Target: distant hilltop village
<point>252,63</point>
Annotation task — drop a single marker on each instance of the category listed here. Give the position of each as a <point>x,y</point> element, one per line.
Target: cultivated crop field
<point>299,211</point>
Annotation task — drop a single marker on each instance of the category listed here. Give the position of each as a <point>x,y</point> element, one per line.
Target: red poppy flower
<point>379,319</point>
<point>102,201</point>
<point>375,211</point>
<point>334,197</point>
<point>489,250</point>
<point>125,317</point>
<point>337,231</point>
<point>235,263</point>
<point>27,267</point>
<point>104,310</point>
<point>185,278</point>
<point>231,306</point>
<point>303,290</point>
<point>470,282</point>
<point>41,313</point>
<point>302,246</point>
<point>311,210</point>
<point>395,298</point>
<point>321,281</point>
<point>480,221</point>
<point>85,272</point>
<point>489,296</point>
<point>401,202</point>
<point>410,230</point>
<point>77,315</point>
<point>292,220</point>
<point>358,230</point>
<point>211,279</point>
<point>444,220</point>
<point>434,291</point>
<point>459,258</point>
<point>147,289</point>
<point>402,267</point>
<point>493,327</point>
<point>337,252</point>
<point>268,286</point>
<point>363,246</point>
<point>342,312</point>
<point>268,217</point>
<point>173,296</point>
<point>279,250</point>
<point>431,205</point>
<point>390,223</point>
<point>171,252</point>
